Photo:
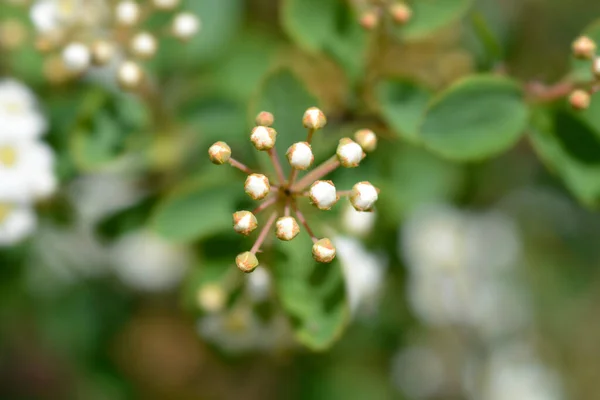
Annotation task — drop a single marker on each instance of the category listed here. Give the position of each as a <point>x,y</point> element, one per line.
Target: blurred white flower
<point>146,262</point>
<point>240,331</point>
<point>20,117</point>
<point>17,221</point>
<point>258,284</point>
<point>363,272</point>
<point>26,170</point>
<point>418,372</point>
<point>514,373</point>
<point>55,16</point>
<point>358,223</point>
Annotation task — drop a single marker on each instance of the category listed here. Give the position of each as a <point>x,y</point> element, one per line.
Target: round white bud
<point>219,153</point>
<point>263,138</point>
<point>363,197</point>
<point>165,4</point>
<point>580,100</point>
<point>265,118</point>
<point>144,45</point>
<point>300,155</point>
<point>314,118</point>
<point>584,48</point>
<point>185,25</point>
<point>323,194</point>
<point>286,228</point>
<point>246,262</point>
<point>127,13</point>
<point>349,153</point>
<point>367,139</point>
<point>102,52</point>
<point>130,75</point>
<point>257,186</point>
<point>76,57</point>
<point>244,222</point>
<point>323,251</point>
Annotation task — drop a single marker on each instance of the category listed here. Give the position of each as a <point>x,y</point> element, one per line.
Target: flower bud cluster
<point>282,195</point>
<point>584,48</point>
<point>97,33</point>
<point>373,14</point>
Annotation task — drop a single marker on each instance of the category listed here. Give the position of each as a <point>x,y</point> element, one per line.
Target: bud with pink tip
<point>580,100</point>
<point>584,48</point>
<point>263,138</point>
<point>265,118</point>
<point>314,118</point>
<point>401,13</point>
<point>286,228</point>
<point>367,139</point>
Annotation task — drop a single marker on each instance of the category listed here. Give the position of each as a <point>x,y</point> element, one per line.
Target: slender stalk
<point>293,176</point>
<point>277,165</point>
<point>236,164</point>
<point>265,204</point>
<point>326,168</point>
<point>305,224</point>
<point>286,211</point>
<point>263,233</point>
<point>309,137</point>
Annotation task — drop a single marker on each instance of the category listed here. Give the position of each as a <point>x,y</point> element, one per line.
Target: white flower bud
<point>102,52</point>
<point>219,153</point>
<point>246,262</point>
<point>130,75</point>
<point>212,298</point>
<point>314,118</point>
<point>596,67</point>
<point>323,251</point>
<point>584,48</point>
<point>363,197</point>
<point>263,138</point>
<point>144,45</point>
<point>244,222</point>
<point>286,228</point>
<point>580,100</point>
<point>185,26</point>
<point>165,4</point>
<point>127,13</point>
<point>300,155</point>
<point>367,139</point>
<point>401,13</point>
<point>349,153</point>
<point>265,118</point>
<point>257,186</point>
<point>323,194</point>
<point>76,57</point>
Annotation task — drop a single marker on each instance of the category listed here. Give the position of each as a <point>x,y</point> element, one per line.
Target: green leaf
<point>431,15</point>
<point>197,209</point>
<point>571,149</point>
<point>286,97</point>
<point>327,26</point>
<point>581,70</point>
<point>402,104</point>
<point>476,118</point>
<point>312,294</point>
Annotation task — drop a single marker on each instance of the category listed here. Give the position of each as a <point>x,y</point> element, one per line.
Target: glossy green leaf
<point>432,15</point>
<point>476,118</point>
<point>286,97</point>
<point>570,149</point>
<point>197,209</point>
<point>312,294</point>
<point>328,26</point>
<point>403,103</point>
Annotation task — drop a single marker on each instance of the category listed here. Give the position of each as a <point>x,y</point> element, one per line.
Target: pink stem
<point>240,166</point>
<point>305,224</point>
<point>322,170</point>
<point>265,204</point>
<point>277,165</point>
<point>263,233</point>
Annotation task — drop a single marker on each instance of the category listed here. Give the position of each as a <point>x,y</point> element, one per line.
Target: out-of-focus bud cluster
<point>584,48</point>
<point>374,12</point>
<point>282,193</point>
<point>76,35</point>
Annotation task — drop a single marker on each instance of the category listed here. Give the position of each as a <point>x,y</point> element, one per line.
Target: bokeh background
<point>470,281</point>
